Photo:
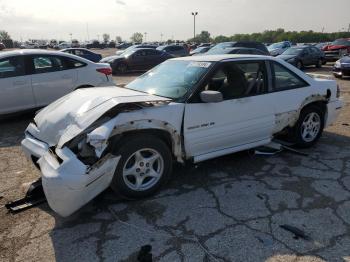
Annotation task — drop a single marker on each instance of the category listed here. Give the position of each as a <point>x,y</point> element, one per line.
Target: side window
<point>315,51</point>
<point>11,67</point>
<point>78,52</point>
<point>284,79</point>
<point>72,63</point>
<point>151,52</point>
<point>239,79</point>
<point>140,53</point>
<point>47,64</point>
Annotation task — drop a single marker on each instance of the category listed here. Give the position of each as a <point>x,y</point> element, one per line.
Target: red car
<point>337,49</point>
<point>2,46</point>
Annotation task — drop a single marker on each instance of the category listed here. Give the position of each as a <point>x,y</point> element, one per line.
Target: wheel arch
<point>159,129</point>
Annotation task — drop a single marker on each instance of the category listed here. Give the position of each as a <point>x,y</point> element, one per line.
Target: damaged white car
<point>186,109</point>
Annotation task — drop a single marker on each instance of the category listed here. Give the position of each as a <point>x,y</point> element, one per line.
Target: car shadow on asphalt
<point>112,228</point>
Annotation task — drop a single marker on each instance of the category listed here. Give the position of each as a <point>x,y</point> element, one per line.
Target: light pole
<point>161,37</point>
<point>194,24</point>
<point>71,37</point>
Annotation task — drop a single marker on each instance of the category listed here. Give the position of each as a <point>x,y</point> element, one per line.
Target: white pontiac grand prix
<point>185,109</point>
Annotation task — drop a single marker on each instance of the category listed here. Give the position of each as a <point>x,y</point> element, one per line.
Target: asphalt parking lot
<point>227,209</point>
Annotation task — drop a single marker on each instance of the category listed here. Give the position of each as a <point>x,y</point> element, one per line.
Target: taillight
<point>338,91</point>
<point>106,71</point>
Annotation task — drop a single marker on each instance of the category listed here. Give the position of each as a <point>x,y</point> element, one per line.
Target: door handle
<point>19,83</point>
<point>65,77</point>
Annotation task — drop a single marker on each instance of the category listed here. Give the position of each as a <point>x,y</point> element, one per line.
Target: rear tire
<point>319,63</point>
<point>145,165</point>
<point>309,127</point>
<point>121,68</point>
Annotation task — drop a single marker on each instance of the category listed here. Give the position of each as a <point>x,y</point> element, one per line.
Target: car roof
<point>39,52</point>
<point>219,58</point>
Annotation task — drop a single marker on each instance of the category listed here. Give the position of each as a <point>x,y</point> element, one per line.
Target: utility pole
<point>71,37</point>
<point>87,31</point>
<point>194,24</point>
<point>161,37</point>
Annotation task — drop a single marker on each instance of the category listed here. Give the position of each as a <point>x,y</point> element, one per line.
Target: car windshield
<point>293,51</point>
<point>200,49</point>
<point>223,45</point>
<point>219,51</point>
<point>171,79</point>
<point>128,52</point>
<point>341,42</point>
<point>275,46</point>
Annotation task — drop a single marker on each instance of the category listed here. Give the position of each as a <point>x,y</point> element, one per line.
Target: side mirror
<point>211,96</point>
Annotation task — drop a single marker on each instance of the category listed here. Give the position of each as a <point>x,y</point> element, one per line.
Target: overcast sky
<point>46,19</point>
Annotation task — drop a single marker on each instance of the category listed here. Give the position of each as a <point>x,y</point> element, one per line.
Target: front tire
<point>299,65</point>
<point>309,127</point>
<point>145,165</point>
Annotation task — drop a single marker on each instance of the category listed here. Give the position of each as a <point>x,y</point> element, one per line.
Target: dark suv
<point>175,50</point>
<point>247,44</point>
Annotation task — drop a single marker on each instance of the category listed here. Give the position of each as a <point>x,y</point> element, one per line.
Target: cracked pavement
<point>225,209</point>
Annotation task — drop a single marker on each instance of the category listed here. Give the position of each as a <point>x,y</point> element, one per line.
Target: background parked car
<point>136,59</point>
<point>75,43</point>
<point>95,44</point>
<point>337,49</point>
<point>235,50</point>
<point>342,67</point>
<point>175,50</point>
<point>301,56</point>
<point>29,45</point>
<point>84,53</point>
<point>278,48</point>
<point>321,45</point>
<point>119,52</point>
<point>247,44</point>
<point>2,46</point>
<point>200,50</point>
<point>34,78</point>
<point>64,45</point>
<point>123,45</point>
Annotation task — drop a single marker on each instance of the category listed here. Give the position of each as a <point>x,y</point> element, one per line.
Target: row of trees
<point>268,36</point>
<point>4,35</point>
<point>272,36</point>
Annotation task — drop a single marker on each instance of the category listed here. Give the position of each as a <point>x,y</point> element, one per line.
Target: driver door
<point>244,119</point>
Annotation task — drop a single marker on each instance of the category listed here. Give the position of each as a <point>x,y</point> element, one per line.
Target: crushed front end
<point>68,182</point>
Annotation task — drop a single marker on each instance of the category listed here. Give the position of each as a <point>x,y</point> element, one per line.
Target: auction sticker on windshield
<point>199,64</point>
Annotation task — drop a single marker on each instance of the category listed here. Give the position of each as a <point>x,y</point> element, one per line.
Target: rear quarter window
<point>285,79</point>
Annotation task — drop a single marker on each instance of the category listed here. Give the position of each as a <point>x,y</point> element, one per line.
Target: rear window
<point>284,79</point>
<point>11,67</point>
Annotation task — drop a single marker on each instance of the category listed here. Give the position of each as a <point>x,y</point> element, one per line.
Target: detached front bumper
<point>67,182</point>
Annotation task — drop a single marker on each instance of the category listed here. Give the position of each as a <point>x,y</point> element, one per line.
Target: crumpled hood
<point>68,116</point>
